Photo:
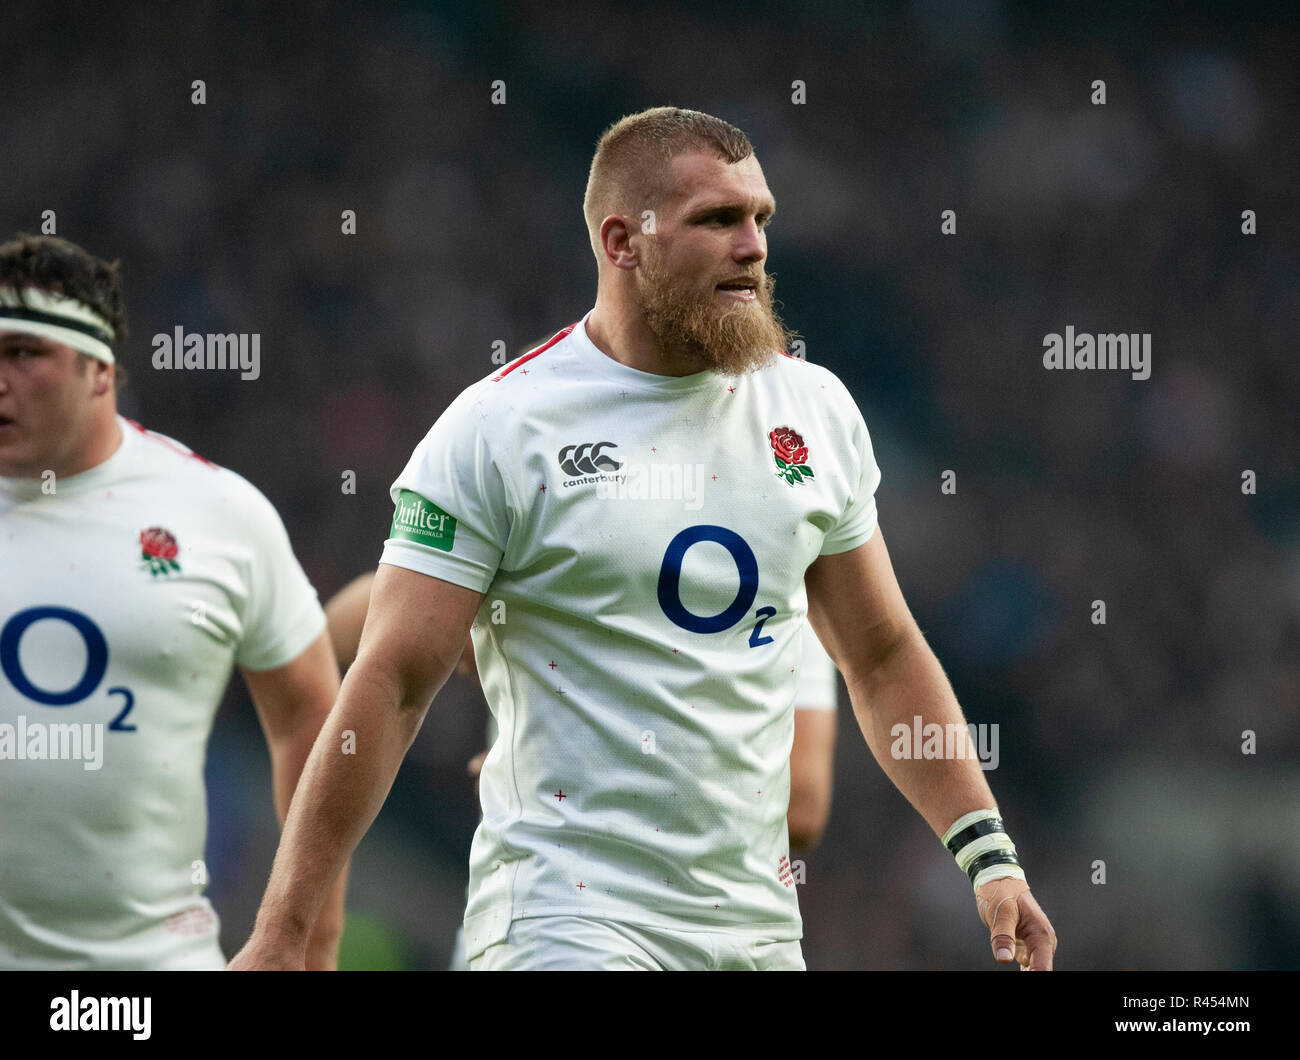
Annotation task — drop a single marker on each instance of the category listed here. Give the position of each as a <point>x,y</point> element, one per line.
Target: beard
<point>708,329</point>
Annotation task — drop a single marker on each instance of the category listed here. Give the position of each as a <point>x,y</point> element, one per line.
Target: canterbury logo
<point>588,459</point>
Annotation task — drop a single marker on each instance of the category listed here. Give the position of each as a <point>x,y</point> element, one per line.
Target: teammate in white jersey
<point>637,519</point>
<point>133,576</point>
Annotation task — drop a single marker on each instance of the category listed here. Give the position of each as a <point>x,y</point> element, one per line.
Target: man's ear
<point>616,239</point>
<point>103,372</point>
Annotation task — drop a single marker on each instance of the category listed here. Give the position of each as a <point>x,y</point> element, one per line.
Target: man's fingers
<point>1037,935</point>
<point>1018,928</point>
<point>1039,944</point>
<point>1006,915</point>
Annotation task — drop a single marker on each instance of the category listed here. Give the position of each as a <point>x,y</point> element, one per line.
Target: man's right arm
<point>414,634</point>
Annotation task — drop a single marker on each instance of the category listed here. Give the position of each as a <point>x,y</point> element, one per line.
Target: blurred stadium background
<point>1118,743</point>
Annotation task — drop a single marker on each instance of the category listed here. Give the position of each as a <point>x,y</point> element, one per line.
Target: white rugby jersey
<point>642,542</point>
<point>818,691</point>
<point>818,682</point>
<point>126,596</point>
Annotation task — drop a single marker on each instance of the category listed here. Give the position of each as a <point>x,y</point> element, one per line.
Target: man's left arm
<point>292,704</point>
<point>861,618</point>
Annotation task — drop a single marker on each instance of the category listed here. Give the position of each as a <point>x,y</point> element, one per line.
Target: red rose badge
<point>159,550</point>
<point>790,454</point>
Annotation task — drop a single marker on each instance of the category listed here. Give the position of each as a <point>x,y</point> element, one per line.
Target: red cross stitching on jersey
<point>559,795</point>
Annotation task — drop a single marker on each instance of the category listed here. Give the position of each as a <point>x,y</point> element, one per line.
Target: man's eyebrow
<point>767,206</point>
<point>24,336</point>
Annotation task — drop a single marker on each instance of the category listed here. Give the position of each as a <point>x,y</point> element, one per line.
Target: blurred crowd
<point>1150,838</point>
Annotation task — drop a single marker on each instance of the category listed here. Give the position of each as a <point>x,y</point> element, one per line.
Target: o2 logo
<point>96,662</point>
<point>670,577</point>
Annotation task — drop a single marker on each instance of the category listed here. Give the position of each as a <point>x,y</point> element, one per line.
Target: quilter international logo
<point>418,519</point>
<point>415,516</point>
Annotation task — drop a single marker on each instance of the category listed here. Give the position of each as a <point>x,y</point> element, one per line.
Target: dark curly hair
<point>62,267</point>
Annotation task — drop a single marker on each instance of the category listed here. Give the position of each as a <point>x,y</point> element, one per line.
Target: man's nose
<point>751,244</point>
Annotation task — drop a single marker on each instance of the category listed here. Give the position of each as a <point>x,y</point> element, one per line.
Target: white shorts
<point>570,943</point>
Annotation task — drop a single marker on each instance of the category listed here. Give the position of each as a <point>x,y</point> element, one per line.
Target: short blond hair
<point>630,169</point>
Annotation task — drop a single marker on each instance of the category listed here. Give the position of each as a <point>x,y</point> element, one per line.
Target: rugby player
<point>134,575</point>
<point>637,654</point>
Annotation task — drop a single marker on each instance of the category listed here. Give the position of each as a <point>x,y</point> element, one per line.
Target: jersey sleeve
<point>452,507</point>
<point>858,521</point>
<point>818,678</point>
<point>282,613</point>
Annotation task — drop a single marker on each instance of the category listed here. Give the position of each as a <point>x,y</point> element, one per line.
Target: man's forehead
<point>703,179</point>
<point>25,336</point>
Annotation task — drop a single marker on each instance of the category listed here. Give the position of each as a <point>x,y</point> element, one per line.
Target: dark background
<point>1119,742</point>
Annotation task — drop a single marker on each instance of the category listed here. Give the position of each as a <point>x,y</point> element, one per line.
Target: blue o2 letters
<point>670,576</point>
<point>96,661</point>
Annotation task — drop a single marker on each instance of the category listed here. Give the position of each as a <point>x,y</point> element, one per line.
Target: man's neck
<point>626,338</point>
<point>103,441</point>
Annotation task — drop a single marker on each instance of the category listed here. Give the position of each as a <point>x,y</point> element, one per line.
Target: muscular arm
<point>414,633</point>
<point>345,614</point>
<point>858,611</point>
<point>292,704</point>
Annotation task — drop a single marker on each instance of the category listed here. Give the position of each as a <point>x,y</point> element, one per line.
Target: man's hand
<point>261,954</point>
<point>293,703</point>
<point>1015,920</point>
<point>323,947</point>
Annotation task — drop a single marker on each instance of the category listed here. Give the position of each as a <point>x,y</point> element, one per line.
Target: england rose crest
<point>790,454</point>
<point>159,550</point>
